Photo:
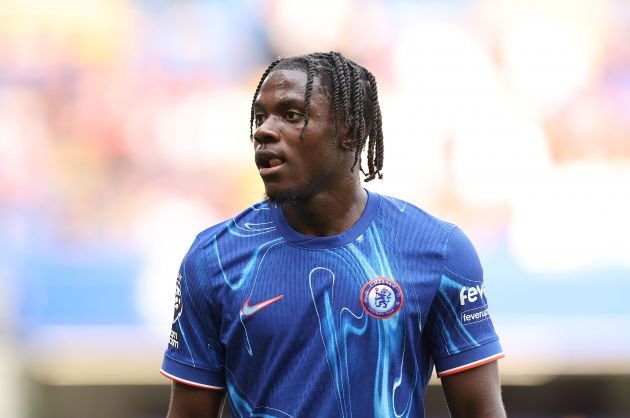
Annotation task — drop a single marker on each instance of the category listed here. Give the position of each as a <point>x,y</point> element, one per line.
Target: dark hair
<point>354,102</point>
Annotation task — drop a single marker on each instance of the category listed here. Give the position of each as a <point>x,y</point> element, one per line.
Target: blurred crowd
<point>123,126</point>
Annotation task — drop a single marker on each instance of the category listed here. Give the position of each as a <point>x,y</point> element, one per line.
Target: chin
<point>281,197</point>
<point>285,196</point>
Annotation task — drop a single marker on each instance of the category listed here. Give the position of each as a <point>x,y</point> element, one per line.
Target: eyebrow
<point>283,103</point>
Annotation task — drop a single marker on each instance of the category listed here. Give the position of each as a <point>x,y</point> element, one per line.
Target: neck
<point>327,213</point>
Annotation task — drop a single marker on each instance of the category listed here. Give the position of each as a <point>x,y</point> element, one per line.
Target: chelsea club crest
<point>382,297</point>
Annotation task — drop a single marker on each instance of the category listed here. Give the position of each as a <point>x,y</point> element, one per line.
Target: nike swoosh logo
<point>250,310</point>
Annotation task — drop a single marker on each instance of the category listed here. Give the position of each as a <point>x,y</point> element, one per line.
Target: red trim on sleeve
<point>471,365</point>
<point>189,383</point>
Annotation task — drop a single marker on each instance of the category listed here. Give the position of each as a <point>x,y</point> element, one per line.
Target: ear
<point>345,141</point>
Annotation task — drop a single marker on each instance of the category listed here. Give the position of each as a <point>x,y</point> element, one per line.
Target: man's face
<point>292,169</point>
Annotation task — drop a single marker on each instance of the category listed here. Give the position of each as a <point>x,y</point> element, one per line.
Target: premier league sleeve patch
<point>178,299</point>
<point>382,297</point>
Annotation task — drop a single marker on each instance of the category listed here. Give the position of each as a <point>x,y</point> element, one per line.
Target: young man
<point>327,300</point>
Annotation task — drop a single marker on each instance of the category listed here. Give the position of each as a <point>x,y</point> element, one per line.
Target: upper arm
<point>463,342</point>
<point>474,393</point>
<point>192,402</point>
<point>459,329</point>
<point>194,358</point>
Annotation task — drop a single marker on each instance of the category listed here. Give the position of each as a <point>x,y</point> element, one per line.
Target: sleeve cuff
<point>192,376</point>
<point>469,359</point>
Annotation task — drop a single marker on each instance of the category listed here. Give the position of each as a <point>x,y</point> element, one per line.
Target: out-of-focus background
<point>124,132</point>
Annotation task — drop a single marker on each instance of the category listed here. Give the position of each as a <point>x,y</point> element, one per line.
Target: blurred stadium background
<point>123,133</point>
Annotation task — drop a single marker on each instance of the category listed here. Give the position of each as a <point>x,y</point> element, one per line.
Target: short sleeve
<point>459,327</point>
<point>194,354</point>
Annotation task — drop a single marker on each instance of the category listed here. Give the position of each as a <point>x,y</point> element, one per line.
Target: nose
<point>267,131</point>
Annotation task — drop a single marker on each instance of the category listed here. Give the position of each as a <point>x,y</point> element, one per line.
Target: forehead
<point>286,84</point>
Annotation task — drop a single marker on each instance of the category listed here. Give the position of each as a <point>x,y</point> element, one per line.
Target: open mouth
<point>268,164</point>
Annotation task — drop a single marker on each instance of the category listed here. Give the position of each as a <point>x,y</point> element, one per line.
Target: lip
<point>266,171</point>
<point>263,157</point>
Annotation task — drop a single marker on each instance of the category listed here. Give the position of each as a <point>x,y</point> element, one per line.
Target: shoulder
<point>255,218</point>
<point>411,218</point>
<point>458,252</point>
<point>460,256</point>
<point>250,222</point>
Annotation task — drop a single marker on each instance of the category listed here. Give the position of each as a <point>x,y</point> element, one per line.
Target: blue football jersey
<point>349,325</point>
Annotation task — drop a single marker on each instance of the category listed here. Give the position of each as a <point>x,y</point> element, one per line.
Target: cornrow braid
<point>370,154</point>
<point>336,92</point>
<point>310,74</point>
<point>260,83</point>
<point>344,82</point>
<point>353,98</point>
<point>358,121</point>
<point>376,132</point>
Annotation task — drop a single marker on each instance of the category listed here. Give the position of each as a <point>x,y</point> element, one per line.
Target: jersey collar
<point>304,241</point>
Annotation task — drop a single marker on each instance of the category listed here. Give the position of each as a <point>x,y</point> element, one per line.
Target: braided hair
<point>353,99</point>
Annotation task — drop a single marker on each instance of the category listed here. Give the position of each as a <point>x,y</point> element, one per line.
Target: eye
<point>259,118</point>
<point>292,116</point>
